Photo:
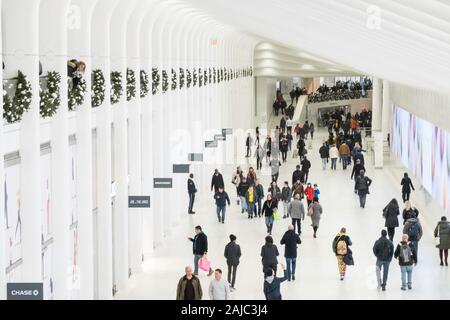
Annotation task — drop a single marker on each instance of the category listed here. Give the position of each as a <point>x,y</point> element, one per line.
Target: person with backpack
<point>306,165</point>
<point>407,256</point>
<point>315,212</point>
<point>383,249</point>
<point>442,236</point>
<point>413,229</point>
<point>324,155</point>
<point>407,185</point>
<point>290,240</point>
<point>297,212</point>
<point>286,196</point>
<point>259,191</point>
<point>222,199</point>
<point>270,205</point>
<point>269,254</point>
<point>390,214</point>
<point>342,251</point>
<point>362,184</point>
<point>232,254</point>
<point>272,284</point>
<point>409,211</point>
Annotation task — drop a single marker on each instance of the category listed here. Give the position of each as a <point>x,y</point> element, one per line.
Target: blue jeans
<point>289,144</point>
<point>259,206</point>
<point>243,203</point>
<point>251,209</point>
<point>290,263</point>
<point>333,163</point>
<point>406,271</point>
<point>344,162</point>
<point>385,266</point>
<point>197,257</point>
<point>220,210</point>
<point>324,163</point>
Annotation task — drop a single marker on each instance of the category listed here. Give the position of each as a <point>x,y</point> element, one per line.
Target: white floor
<point>317,273</point>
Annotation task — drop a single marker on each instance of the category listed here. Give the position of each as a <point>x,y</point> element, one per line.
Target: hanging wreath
<point>188,78</point>
<point>76,92</point>
<point>14,109</point>
<point>116,87</point>
<point>205,77</point>
<point>194,77</point>
<point>174,80</point>
<point>50,97</point>
<point>165,81</point>
<point>155,80</point>
<point>200,77</point>
<point>131,84</point>
<point>226,75</point>
<point>181,72</point>
<point>144,82</point>
<point>221,74</point>
<point>98,88</point>
<point>214,75</point>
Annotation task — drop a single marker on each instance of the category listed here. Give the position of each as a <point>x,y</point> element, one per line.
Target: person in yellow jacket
<point>250,196</point>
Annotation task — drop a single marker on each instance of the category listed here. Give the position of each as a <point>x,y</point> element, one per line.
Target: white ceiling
<point>409,42</point>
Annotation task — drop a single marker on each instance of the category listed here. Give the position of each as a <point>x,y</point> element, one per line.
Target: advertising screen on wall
<point>425,150</point>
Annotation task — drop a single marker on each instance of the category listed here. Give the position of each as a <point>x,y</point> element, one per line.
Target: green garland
<point>14,109</point>
<point>98,88</point>
<point>131,84</point>
<point>214,75</point>
<point>116,87</point>
<point>50,97</point>
<point>155,80</point>
<point>181,72</point>
<point>205,77</point>
<point>188,78</point>
<point>174,79</point>
<point>200,77</point>
<point>165,81</point>
<point>76,94</point>
<point>194,77</point>
<point>144,82</point>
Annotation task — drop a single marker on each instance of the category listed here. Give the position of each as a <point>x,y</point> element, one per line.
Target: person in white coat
<point>334,155</point>
<point>219,289</point>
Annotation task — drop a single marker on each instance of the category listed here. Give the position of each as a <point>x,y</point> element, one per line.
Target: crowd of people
<point>298,199</point>
<point>341,91</point>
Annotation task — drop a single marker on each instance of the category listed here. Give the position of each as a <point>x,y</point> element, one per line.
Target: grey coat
<point>317,213</point>
<point>443,230</point>
<point>296,209</point>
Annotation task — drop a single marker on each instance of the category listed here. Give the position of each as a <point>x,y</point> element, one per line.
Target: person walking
<point>289,139</point>
<point>309,192</point>
<point>383,249</point>
<point>341,244</point>
<point>442,236</point>
<point>406,255</point>
<point>232,254</point>
<point>268,208</point>
<point>275,191</point>
<point>316,191</point>
<point>324,155</point>
<point>286,195</point>
<point>390,214</point>
<point>315,212</point>
<point>248,144</point>
<point>298,188</point>
<point>306,165</point>
<point>199,248</point>
<point>250,198</point>
<point>268,148</point>
<point>344,153</point>
<point>251,176</point>
<point>219,289</point>
<point>189,286</point>
<point>407,185</point>
<point>311,130</point>
<point>297,212</point>
<point>414,230</point>
<point>259,191</point>
<point>357,168</point>
<point>334,155</point>
<point>409,212</point>
<point>290,240</point>
<point>192,190</point>
<point>289,124</point>
<point>297,130</point>
<point>297,175</point>
<point>222,199</point>
<point>275,165</point>
<point>272,284</point>
<point>301,147</point>
<point>242,190</point>
<point>284,148</point>
<point>259,155</point>
<point>216,181</point>
<point>362,184</point>
<point>269,254</point>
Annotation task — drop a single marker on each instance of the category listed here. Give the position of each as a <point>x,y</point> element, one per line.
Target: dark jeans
<point>345,162</point>
<point>191,201</point>
<point>284,155</point>
<point>259,205</point>
<point>221,213</point>
<point>232,274</point>
<point>251,209</point>
<point>258,163</point>
<point>416,247</point>
<point>405,196</point>
<point>391,232</point>
<point>385,266</point>
<point>290,264</point>
<point>296,221</point>
<point>362,200</point>
<point>275,176</point>
<point>248,151</point>
<point>306,173</point>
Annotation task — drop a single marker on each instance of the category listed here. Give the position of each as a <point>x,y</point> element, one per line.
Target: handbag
<point>348,258</point>
<point>276,215</point>
<point>310,210</point>
<point>437,239</point>
<point>204,263</point>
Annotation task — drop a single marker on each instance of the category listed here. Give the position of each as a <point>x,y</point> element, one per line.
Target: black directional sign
<point>138,201</point>
<point>180,168</point>
<point>162,183</point>
<point>219,137</point>
<point>195,157</point>
<point>211,144</point>
<point>25,291</point>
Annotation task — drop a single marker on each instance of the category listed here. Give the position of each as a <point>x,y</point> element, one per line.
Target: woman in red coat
<point>309,192</point>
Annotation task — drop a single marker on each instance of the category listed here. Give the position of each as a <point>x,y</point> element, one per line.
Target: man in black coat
<point>324,155</point>
<point>290,240</point>
<point>192,190</point>
<point>306,165</point>
<point>217,181</point>
<point>383,249</point>
<point>199,248</point>
<point>232,254</point>
<point>297,175</point>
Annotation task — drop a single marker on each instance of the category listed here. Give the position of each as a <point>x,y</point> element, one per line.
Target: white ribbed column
<point>2,197</point>
<point>387,110</point>
<point>80,47</point>
<point>53,45</point>
<point>101,20</point>
<point>377,99</point>
<point>21,49</point>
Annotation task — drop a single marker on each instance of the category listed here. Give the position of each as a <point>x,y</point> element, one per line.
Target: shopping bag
<point>204,263</point>
<point>437,241</point>
<point>276,215</point>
